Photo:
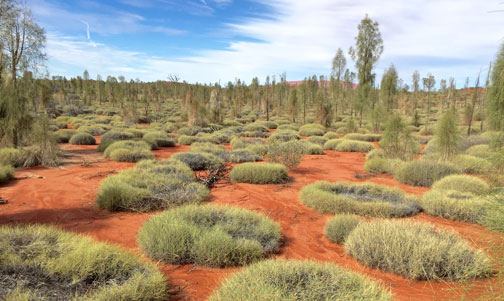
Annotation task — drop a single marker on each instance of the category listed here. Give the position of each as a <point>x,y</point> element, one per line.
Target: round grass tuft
<point>354,146</point>
<point>424,172</point>
<point>332,144</point>
<point>263,173</point>
<point>217,236</point>
<point>366,199</point>
<point>64,136</point>
<point>12,156</point>
<point>471,164</point>
<point>416,251</point>
<point>339,227</point>
<point>128,151</point>
<point>6,173</point>
<point>46,263</point>
<point>198,160</point>
<point>318,140</point>
<point>82,139</point>
<point>383,165</point>
<point>462,183</point>
<point>151,185</point>
<point>283,136</point>
<point>158,139</point>
<point>279,280</point>
<point>312,130</point>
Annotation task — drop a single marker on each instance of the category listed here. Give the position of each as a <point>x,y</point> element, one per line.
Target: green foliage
<point>287,153</point>
<point>264,173</point>
<point>447,137</point>
<point>332,144</point>
<point>63,136</point>
<point>254,127</point>
<point>6,173</point>
<point>339,227</point>
<point>354,146</point>
<point>311,148</point>
<point>495,102</point>
<point>331,135</point>
<point>217,236</point>
<point>198,160</point>
<point>82,139</point>
<point>128,151</point>
<point>416,251</point>
<point>158,139</point>
<point>462,183</point>
<point>151,185</point>
<point>363,137</point>
<point>43,149</point>
<point>318,140</point>
<point>366,199</point>
<point>283,136</point>
<point>312,130</point>
<point>60,265</point>
<point>397,140</point>
<point>471,164</point>
<point>278,280</point>
<point>423,172</point>
<point>12,156</point>
<point>383,165</point>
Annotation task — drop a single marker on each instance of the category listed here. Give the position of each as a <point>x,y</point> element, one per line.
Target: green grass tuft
<point>354,146</point>
<point>82,139</point>
<point>339,227</point>
<point>424,172</point>
<point>263,173</point>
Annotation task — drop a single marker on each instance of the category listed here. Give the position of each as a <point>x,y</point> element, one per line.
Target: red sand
<point>65,197</point>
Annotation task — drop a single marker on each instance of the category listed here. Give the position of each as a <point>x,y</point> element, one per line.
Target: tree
<point>389,87</point>
<point>378,116</point>
<point>469,109</point>
<point>416,89</point>
<point>447,137</point>
<point>367,52</point>
<point>397,140</point>
<point>428,83</point>
<point>338,65</point>
<point>293,104</point>
<point>22,40</point>
<point>216,115</point>
<point>495,100</point>
<point>322,109</point>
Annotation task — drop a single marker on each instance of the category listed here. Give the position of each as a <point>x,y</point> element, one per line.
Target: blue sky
<point>221,40</point>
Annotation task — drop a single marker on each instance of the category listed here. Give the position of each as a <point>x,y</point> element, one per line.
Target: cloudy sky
<point>220,40</point>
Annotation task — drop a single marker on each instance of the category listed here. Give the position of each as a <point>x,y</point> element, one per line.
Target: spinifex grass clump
<point>12,156</point>
<point>151,185</point>
<point>424,172</point>
<point>339,227</point>
<point>198,160</point>
<point>383,165</point>
<point>82,139</point>
<point>366,199</point>
<point>158,139</point>
<point>63,136</point>
<point>354,146</point>
<point>312,130</point>
<point>284,136</point>
<point>128,151</point>
<point>363,137</point>
<point>216,236</point>
<point>262,173</point>
<point>48,264</point>
<point>278,280</point>
<point>416,251</point>
<point>6,173</point>
<point>112,136</point>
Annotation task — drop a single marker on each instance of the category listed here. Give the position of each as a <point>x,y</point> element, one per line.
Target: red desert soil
<point>65,197</point>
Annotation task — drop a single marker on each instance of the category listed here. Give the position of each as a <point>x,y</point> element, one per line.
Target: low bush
<point>332,144</point>
<point>471,164</point>
<point>312,130</point>
<point>151,185</point>
<point>217,236</point>
<point>240,143</point>
<point>158,139</point>
<point>363,137</point>
<point>12,156</point>
<point>339,227</point>
<point>288,126</point>
<point>240,156</point>
<point>186,140</point>
<point>318,140</point>
<point>198,160</point>
<point>268,124</point>
<point>311,148</point>
<point>283,136</point>
<point>383,165</point>
<point>354,146</point>
<point>93,130</point>
<point>287,153</point>
<point>64,136</point>
<point>82,139</point>
<point>462,183</point>
<point>259,149</point>
<point>128,151</point>
<point>129,134</point>
<point>207,147</point>
<point>298,280</point>
<point>46,263</point>
<point>6,173</point>
<point>263,173</point>
<point>253,127</point>
<point>416,251</point>
<point>375,153</point>
<point>366,199</point>
<point>481,151</point>
<point>112,136</point>
<point>257,134</point>
<point>331,135</point>
<point>423,172</point>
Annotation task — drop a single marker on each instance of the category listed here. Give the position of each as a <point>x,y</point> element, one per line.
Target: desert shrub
<point>288,126</point>
<point>311,148</point>
<point>12,156</point>
<point>397,140</point>
<point>312,130</point>
<point>278,280</point>
<point>82,139</point>
<point>363,137</point>
<point>207,147</point>
<point>6,173</point>
<point>264,173</point>
<point>283,136</point>
<point>339,227</point>
<point>383,165</point>
<point>259,149</point>
<point>186,140</point>
<point>239,143</point>
<point>366,199</point>
<point>375,153</point>
<point>318,140</point>
<point>56,265</point>
<point>93,130</point>
<point>188,131</point>
<point>423,139</point>
<point>158,139</point>
<point>268,124</point>
<point>462,183</point>
<point>416,251</point>
<point>43,149</point>
<point>217,236</point>
<point>64,136</point>
<point>254,127</point>
<point>447,137</point>
<point>423,172</point>
<point>112,136</point>
<point>223,137</point>
<point>257,134</point>
<point>151,185</point>
<point>71,110</point>
<point>331,135</point>
<point>287,153</point>
<point>130,132</point>
<point>332,144</point>
<point>471,164</point>
<point>198,160</point>
<point>481,151</point>
<point>228,122</point>
<point>240,156</point>
<point>467,141</point>
<point>354,146</point>
<point>128,150</point>
<point>427,131</point>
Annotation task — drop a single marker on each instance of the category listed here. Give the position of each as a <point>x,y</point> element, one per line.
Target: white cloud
<point>444,37</point>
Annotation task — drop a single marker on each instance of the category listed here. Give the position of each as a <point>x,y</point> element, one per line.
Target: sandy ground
<point>65,197</point>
